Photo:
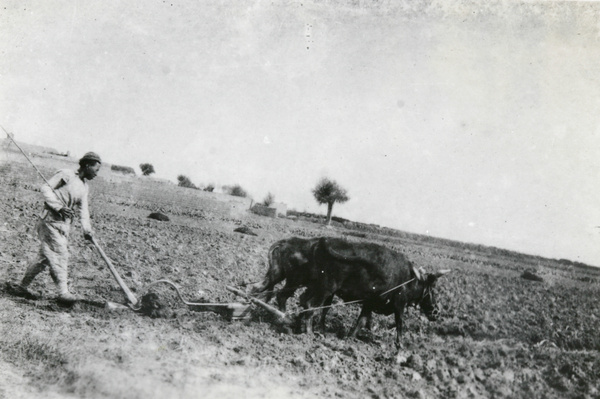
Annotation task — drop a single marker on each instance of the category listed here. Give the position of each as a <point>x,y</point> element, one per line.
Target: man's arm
<point>53,199</point>
<point>86,225</point>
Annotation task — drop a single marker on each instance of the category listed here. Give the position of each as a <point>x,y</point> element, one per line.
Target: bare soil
<point>500,335</point>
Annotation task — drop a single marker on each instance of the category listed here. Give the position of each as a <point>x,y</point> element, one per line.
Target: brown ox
<point>290,260</point>
<point>383,280</point>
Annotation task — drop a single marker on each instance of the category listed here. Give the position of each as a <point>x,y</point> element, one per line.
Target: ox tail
<point>274,273</point>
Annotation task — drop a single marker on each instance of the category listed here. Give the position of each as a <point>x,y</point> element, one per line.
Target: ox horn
<point>442,272</point>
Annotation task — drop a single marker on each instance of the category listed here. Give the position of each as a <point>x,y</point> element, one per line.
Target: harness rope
<point>346,303</point>
<point>168,282</point>
<point>398,286</point>
<point>324,307</point>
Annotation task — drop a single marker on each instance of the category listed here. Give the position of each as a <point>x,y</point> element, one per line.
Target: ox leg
<point>324,311</point>
<point>363,318</point>
<point>398,312</point>
<point>369,322</point>
<point>309,302</point>
<point>283,295</point>
<point>303,317</point>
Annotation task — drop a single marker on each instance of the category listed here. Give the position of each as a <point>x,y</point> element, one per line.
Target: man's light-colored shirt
<point>72,192</point>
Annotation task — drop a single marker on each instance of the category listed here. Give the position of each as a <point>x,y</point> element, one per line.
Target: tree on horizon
<point>329,192</point>
<point>147,169</point>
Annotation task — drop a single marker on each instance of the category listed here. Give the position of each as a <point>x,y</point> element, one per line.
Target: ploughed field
<point>499,335</point>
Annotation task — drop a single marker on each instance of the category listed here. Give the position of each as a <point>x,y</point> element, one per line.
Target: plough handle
<point>130,297</point>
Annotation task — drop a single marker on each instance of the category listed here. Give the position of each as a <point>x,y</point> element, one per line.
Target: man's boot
<point>64,295</point>
<point>67,298</point>
<point>19,290</point>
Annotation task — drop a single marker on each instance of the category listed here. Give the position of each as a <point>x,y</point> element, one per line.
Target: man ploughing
<point>66,193</point>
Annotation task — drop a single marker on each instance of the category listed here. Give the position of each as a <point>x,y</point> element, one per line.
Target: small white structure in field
<point>276,209</point>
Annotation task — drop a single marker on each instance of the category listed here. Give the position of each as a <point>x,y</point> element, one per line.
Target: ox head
<point>427,302</point>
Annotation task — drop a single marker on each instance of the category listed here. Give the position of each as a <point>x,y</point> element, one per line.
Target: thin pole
<point>32,164</point>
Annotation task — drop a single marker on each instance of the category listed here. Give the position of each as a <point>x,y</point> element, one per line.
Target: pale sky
<point>478,121</point>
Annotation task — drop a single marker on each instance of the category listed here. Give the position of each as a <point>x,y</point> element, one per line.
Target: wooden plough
<point>281,317</point>
<point>232,311</point>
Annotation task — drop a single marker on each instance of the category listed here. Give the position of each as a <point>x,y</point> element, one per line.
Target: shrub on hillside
<point>60,154</point>
<point>210,188</point>
<point>185,181</point>
<point>339,219</point>
<point>237,191</point>
<point>123,169</point>
<point>269,199</point>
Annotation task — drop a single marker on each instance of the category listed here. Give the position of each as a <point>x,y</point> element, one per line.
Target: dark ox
<point>372,274</point>
<point>289,260</point>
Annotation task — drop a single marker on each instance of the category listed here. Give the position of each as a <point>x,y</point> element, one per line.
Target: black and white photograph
<point>299,199</point>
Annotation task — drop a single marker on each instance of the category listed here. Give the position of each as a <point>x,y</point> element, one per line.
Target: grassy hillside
<point>500,335</point>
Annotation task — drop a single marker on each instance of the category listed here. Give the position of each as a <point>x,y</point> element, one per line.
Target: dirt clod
<point>158,216</point>
<point>154,307</point>
<point>245,230</point>
<point>415,362</point>
<point>528,275</point>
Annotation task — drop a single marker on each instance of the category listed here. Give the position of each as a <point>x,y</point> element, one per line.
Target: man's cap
<point>91,156</point>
